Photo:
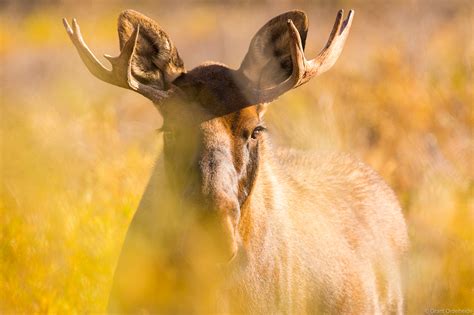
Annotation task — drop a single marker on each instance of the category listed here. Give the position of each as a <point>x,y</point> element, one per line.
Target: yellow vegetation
<point>76,154</point>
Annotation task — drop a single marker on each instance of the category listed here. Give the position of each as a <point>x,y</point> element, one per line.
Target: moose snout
<point>219,187</point>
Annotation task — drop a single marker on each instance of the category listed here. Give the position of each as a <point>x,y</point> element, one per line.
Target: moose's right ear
<point>156,61</point>
<point>268,60</point>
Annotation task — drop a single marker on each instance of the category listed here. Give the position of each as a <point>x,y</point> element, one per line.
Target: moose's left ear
<point>268,60</point>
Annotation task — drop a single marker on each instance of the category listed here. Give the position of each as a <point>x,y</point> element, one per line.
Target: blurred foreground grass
<point>76,154</point>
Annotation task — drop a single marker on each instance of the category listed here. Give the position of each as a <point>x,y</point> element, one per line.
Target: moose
<point>290,231</point>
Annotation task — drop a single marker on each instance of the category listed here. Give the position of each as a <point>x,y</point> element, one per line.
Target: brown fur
<point>298,232</point>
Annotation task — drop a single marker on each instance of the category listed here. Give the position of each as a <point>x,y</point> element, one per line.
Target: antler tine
<point>304,70</point>
<point>89,59</point>
<point>331,52</point>
<point>121,65</point>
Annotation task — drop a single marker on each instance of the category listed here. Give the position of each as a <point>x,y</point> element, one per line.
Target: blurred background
<point>77,153</point>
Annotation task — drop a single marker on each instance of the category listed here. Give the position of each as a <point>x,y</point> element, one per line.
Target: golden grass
<point>76,153</point>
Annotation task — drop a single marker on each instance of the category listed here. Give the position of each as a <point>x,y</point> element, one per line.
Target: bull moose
<point>290,232</point>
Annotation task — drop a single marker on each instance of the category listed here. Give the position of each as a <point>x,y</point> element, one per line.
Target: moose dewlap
<point>229,224</point>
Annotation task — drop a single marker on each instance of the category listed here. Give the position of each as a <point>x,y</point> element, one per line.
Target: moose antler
<point>303,69</point>
<point>121,73</point>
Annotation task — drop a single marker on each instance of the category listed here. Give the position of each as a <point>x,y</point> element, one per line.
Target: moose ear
<point>156,61</point>
<point>268,60</point>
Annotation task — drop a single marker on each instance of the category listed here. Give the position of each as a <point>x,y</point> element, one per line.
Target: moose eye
<point>257,131</point>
